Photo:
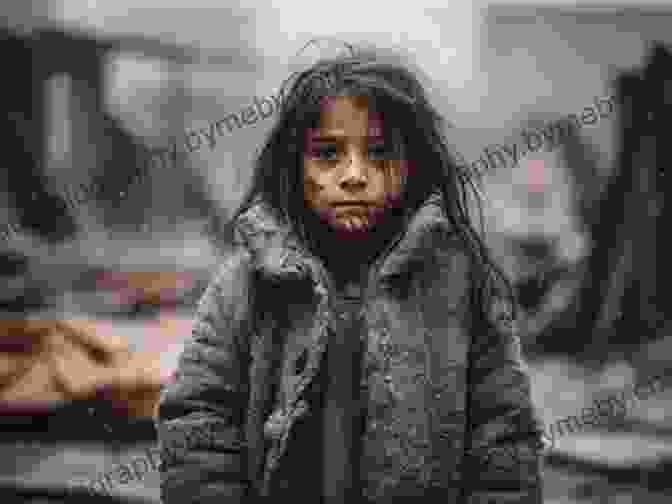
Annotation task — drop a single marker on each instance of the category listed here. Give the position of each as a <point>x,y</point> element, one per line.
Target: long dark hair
<point>394,91</point>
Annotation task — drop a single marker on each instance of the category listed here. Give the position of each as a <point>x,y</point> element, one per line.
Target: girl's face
<point>351,173</point>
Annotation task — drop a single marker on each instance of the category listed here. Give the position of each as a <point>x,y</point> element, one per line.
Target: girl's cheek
<point>397,174</point>
<point>310,192</point>
<point>313,185</point>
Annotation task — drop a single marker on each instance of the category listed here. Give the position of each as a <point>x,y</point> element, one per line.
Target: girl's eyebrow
<point>339,136</point>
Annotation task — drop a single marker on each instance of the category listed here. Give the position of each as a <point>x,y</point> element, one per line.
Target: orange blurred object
<point>151,287</point>
<point>45,362</point>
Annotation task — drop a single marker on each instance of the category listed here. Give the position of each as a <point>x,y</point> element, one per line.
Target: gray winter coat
<point>450,394</point>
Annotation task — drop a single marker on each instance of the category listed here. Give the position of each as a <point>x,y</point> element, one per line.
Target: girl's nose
<point>354,174</point>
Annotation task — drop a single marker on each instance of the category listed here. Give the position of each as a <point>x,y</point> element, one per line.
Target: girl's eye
<point>324,152</point>
<point>380,152</point>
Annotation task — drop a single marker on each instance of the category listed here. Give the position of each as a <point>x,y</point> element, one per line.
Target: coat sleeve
<point>201,414</point>
<point>504,445</point>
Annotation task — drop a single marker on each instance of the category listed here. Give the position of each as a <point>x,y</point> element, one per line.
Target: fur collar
<point>278,253</point>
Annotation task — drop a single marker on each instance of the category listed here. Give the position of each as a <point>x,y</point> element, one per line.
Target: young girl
<point>350,348</point>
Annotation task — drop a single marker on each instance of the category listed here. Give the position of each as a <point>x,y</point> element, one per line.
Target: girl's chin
<point>347,228</point>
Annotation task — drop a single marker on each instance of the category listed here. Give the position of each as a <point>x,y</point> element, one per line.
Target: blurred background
<point>93,89</point>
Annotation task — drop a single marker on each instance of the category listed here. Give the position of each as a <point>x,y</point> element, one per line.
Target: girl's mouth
<point>354,207</point>
<point>351,203</point>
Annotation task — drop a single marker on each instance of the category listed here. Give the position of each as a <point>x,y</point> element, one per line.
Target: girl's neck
<point>347,258</point>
